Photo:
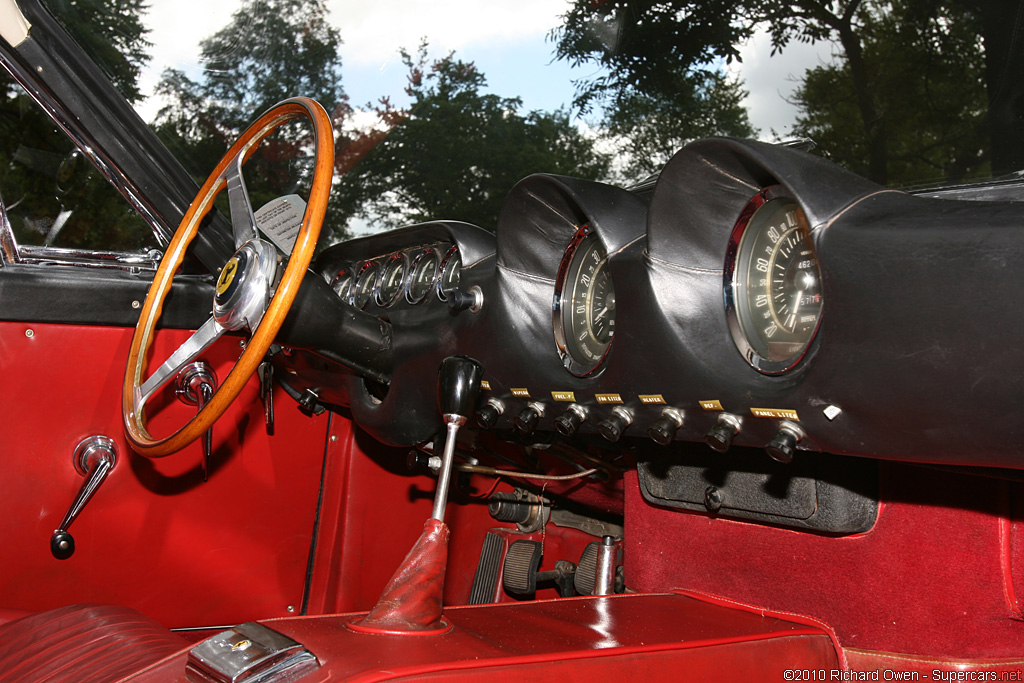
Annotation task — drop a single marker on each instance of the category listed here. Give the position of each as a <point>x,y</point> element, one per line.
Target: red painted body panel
<point>626,637</point>
<point>155,536</point>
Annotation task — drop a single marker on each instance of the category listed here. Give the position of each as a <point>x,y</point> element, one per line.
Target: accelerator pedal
<point>485,582</point>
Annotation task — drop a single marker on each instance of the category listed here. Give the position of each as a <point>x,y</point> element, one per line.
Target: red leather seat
<point>82,643</point>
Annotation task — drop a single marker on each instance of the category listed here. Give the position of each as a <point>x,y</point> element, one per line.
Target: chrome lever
<point>94,458</point>
<point>194,386</point>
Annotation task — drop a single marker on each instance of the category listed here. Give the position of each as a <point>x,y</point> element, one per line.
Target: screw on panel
<point>334,437</point>
<point>30,333</point>
<point>290,608</point>
<point>136,304</point>
<point>713,499</point>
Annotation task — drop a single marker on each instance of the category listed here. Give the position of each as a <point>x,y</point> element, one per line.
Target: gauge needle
<point>796,309</point>
<point>601,313</point>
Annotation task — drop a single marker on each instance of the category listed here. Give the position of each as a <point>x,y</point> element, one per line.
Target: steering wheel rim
<point>133,399</point>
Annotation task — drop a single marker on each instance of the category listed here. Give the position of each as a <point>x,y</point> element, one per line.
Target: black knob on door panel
<point>62,545</point>
<point>458,385</point>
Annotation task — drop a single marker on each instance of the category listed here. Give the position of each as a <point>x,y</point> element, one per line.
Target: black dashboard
<point>890,330</point>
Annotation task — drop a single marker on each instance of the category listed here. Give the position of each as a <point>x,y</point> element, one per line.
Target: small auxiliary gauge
<point>772,282</point>
<point>422,275</point>
<point>584,304</point>
<point>366,280</point>
<point>451,271</point>
<point>392,280</point>
<point>342,283</point>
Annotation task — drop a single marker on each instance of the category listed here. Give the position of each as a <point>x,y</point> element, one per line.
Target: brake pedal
<point>521,563</point>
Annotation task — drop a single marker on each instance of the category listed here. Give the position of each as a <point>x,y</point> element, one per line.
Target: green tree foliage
<point>642,43</point>
<point>660,82</point>
<point>926,66</point>
<point>269,51</point>
<point>53,195</point>
<point>458,151</point>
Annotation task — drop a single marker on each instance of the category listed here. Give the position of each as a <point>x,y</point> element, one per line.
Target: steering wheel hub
<point>245,286</point>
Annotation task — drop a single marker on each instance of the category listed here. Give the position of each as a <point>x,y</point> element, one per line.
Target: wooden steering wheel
<point>245,295</point>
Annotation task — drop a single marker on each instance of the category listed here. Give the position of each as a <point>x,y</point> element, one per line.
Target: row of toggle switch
<point>782,446</point>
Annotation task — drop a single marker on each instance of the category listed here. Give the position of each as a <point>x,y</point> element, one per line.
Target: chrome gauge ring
<point>584,304</point>
<point>772,283</point>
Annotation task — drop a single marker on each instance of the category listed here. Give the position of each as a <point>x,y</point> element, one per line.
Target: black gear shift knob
<point>458,385</point>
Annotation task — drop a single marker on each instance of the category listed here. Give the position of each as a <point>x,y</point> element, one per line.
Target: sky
<point>507,39</point>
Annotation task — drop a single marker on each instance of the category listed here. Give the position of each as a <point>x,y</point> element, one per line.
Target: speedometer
<point>772,283</point>
<point>584,304</point>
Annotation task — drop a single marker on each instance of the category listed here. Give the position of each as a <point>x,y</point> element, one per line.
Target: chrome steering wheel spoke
<point>243,221</point>
<point>200,340</point>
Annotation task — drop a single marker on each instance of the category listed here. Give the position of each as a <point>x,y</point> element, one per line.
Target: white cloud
<point>374,31</point>
<point>770,80</point>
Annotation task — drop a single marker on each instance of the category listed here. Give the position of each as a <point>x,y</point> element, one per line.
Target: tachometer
<point>772,283</point>
<point>584,304</point>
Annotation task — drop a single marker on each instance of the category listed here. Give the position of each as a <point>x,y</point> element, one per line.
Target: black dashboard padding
<point>321,322</point>
<point>703,188</point>
<point>97,296</point>
<point>920,348</point>
<point>826,493</point>
<point>542,212</point>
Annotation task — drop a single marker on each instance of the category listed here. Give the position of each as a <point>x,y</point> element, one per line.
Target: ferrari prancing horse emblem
<point>227,275</point>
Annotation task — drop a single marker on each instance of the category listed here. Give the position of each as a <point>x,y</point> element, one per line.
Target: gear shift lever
<point>458,385</point>
<point>411,603</point>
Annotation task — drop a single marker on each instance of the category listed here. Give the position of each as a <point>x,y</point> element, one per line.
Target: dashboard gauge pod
<point>584,304</point>
<point>772,282</point>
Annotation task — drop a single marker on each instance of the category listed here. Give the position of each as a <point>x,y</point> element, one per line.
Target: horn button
<point>245,285</point>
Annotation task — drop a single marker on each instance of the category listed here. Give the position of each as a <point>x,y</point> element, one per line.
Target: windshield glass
<point>441,107</point>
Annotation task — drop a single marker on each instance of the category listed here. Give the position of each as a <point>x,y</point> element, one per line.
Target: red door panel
<point>155,537</point>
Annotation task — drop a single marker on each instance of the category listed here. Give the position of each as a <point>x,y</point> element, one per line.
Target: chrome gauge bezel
<point>414,269</point>
<point>395,267</point>
<point>451,265</point>
<point>364,284</point>
<point>739,254</point>
<point>575,357</point>
<point>341,283</point>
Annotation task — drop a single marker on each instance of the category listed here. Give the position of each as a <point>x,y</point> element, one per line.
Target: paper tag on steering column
<point>280,220</point>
